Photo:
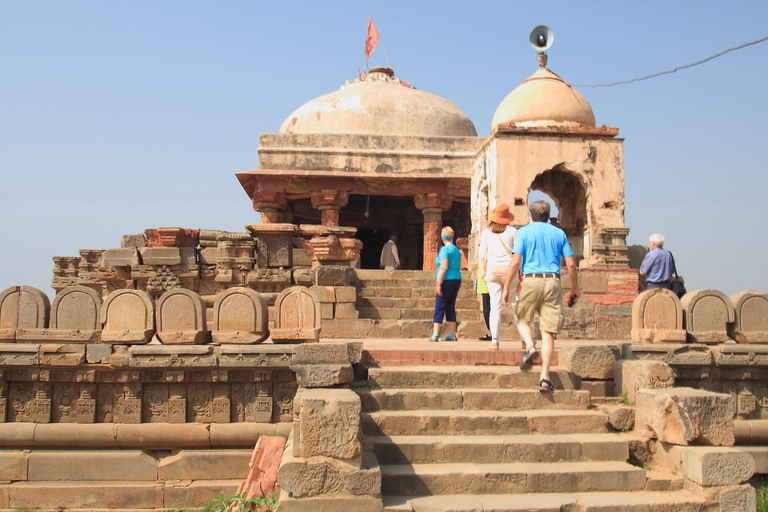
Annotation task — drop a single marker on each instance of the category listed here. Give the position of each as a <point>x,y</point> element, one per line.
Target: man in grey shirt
<point>657,264</point>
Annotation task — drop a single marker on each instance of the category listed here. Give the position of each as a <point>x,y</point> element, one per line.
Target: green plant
<point>762,495</point>
<point>647,466</point>
<point>625,400</point>
<point>239,503</point>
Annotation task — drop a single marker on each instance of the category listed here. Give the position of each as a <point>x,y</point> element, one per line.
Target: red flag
<point>371,39</point>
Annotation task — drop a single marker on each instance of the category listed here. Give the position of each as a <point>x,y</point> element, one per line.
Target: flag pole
<point>385,52</point>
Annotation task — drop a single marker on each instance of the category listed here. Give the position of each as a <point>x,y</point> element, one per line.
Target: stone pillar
<point>271,206</point>
<point>432,201</point>
<point>329,202</point>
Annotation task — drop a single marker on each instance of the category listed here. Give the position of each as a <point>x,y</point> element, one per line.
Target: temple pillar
<point>329,202</point>
<point>271,205</point>
<point>432,201</point>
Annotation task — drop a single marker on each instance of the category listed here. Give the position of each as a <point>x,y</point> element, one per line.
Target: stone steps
<point>438,422</point>
<point>421,449</point>
<point>463,377</point>
<point>518,478</point>
<point>415,314</point>
<point>471,399</point>
<point>642,501</point>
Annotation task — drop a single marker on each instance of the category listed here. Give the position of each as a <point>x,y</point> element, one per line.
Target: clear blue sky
<point>121,116</point>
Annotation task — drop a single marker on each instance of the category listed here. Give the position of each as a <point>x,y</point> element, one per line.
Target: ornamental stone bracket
<point>330,245</point>
<point>271,205</point>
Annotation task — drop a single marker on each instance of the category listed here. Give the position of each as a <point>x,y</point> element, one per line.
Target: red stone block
<point>608,300</point>
<point>172,237</point>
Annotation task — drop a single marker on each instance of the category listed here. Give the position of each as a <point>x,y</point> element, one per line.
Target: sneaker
<point>434,337</point>
<point>487,337</point>
<point>450,337</point>
<point>493,346</point>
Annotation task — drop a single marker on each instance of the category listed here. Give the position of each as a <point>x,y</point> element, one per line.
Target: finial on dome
<point>542,58</point>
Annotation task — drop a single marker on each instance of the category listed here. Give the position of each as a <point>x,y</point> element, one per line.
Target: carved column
<point>329,202</point>
<point>271,205</point>
<point>432,203</point>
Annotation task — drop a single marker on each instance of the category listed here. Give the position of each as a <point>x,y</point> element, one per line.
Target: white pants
<point>495,286</point>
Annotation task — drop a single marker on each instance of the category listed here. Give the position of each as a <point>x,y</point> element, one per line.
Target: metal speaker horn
<point>541,38</point>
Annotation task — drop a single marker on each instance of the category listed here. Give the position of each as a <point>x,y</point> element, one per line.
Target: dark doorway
<point>373,240</point>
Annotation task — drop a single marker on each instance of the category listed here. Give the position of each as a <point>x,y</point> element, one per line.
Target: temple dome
<point>380,105</point>
<point>544,99</point>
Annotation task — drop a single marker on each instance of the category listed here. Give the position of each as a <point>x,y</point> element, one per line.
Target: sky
<point>116,117</point>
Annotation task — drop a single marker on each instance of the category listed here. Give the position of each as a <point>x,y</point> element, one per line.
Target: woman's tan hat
<point>501,214</point>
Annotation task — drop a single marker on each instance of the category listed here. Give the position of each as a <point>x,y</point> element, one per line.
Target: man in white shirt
<point>389,258</point>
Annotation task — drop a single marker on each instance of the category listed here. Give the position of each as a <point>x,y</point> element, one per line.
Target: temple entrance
<point>373,240</point>
<point>569,196</point>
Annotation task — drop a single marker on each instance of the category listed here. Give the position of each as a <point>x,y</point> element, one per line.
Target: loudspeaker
<point>541,38</point>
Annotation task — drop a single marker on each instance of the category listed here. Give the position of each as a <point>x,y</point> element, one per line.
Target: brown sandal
<point>546,386</point>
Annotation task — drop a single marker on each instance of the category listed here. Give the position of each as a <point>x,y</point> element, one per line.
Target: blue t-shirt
<point>453,255</point>
<point>657,266</point>
<point>541,244</point>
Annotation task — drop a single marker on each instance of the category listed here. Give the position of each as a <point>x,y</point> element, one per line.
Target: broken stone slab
<point>751,317</point>
<point>327,423</point>
<point>263,467</point>
<point>683,415</point>
<point>634,374</point>
<point>707,314</point>
<point>622,419</point>
<point>716,465</point>
<point>62,355</point>
<point>304,477</point>
<point>323,375</point>
<point>589,361</point>
<point>730,498</point>
<point>657,316</point>
<point>133,241</point>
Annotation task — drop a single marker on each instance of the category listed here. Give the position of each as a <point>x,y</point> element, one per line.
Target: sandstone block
<point>162,436</point>
<point>738,499</point>
<point>589,361</point>
<point>209,255</point>
<point>330,504</point>
<point>62,355</point>
<point>76,308</point>
<point>657,316</point>
<point>328,423</point>
<point>346,294</point>
<point>592,282</point>
<point>180,318</point>
<point>634,374</point>
<point>707,314</point>
<point>326,310</point>
<point>683,415</point>
<point>327,353</point>
<point>333,275</point>
<point>186,494</point>
<point>13,464</point>
<point>297,316</point>
<point>226,464</point>
<point>133,240</point>
<point>715,465</point>
<point>168,255</point>
<point>22,308</point>
<point>622,419</point>
<point>323,375</point>
<point>98,353</point>
<point>128,465</point>
<point>324,293</point>
<point>73,435</point>
<point>751,317</point>
<point>128,316</point>
<point>240,315</point>
<point>122,257</point>
<point>317,476</point>
<point>345,310</point>
<point>85,495</point>
<point>302,276</point>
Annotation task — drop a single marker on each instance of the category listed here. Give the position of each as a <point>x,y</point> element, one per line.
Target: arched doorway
<point>570,198</point>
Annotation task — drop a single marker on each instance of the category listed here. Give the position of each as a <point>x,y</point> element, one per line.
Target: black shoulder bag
<point>678,288</point>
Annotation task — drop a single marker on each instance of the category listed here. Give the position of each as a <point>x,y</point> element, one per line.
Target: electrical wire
<point>679,67</point>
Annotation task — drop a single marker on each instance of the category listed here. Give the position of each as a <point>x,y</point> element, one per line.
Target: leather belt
<point>542,275</point>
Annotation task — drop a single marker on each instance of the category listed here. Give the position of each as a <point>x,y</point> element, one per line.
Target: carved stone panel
<point>65,397</point>
<point>297,316</point>
<point>23,310</point>
<point>75,315</point>
<point>128,407</point>
<point>180,318</point>
<point>177,403</point>
<point>240,315</point>
<point>242,405</point>
<point>657,316</point>
<point>221,404</point>
<point>751,317</point>
<point>85,406</point>
<point>707,314</point>
<point>128,316</point>
<point>284,394</point>
<point>155,403</point>
<point>199,403</point>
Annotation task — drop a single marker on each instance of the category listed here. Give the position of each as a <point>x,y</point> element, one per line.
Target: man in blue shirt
<point>657,264</point>
<point>539,247</point>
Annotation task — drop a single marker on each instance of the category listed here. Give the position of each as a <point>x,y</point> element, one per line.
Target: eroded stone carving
<point>240,315</point>
<point>76,315</point>
<point>657,316</point>
<point>751,317</point>
<point>180,318</point>
<point>24,313</point>
<point>128,316</point>
<point>707,314</point>
<point>297,316</point>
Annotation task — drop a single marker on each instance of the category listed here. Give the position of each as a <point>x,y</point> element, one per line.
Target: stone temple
<point>148,379</point>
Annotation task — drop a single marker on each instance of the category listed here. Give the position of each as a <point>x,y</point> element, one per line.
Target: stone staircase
<point>408,297</point>
<point>482,438</point>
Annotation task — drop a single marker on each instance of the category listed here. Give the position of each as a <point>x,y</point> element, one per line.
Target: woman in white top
<point>496,242</point>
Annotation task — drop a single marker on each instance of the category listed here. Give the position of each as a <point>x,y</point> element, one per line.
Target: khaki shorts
<point>545,297</point>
